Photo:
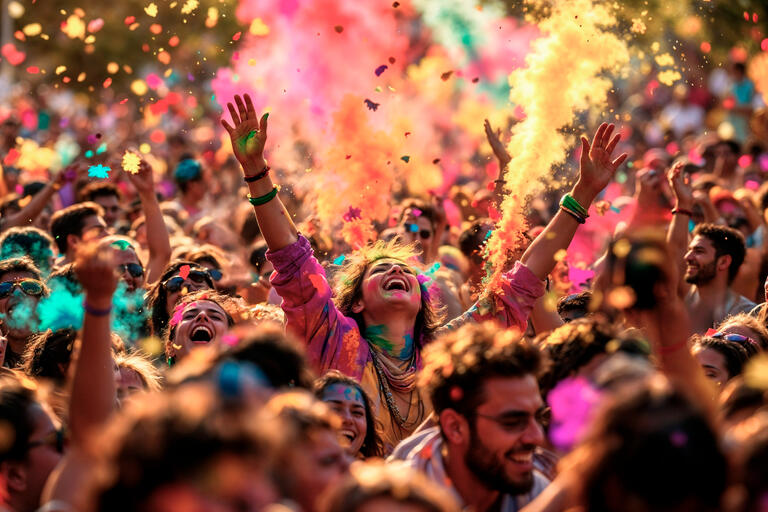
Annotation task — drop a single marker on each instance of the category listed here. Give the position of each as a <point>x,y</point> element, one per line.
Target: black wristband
<point>257,177</point>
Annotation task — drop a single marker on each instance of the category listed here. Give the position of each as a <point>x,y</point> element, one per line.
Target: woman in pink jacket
<point>381,316</point>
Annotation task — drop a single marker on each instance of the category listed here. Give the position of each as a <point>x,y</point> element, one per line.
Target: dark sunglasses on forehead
<point>28,286</point>
<point>414,228</point>
<point>134,269</point>
<point>175,283</point>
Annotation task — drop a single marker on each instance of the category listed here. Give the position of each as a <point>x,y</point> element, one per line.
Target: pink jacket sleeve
<point>511,306</point>
<point>332,340</point>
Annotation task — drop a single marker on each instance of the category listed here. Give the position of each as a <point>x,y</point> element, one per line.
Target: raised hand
<point>494,139</point>
<point>597,166</point>
<point>248,135</point>
<point>95,269</point>
<point>682,190</point>
<point>143,181</point>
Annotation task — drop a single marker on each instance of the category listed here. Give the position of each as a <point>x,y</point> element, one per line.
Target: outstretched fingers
<point>241,107</point>
<point>227,127</point>
<point>598,138</point>
<point>612,145</point>
<point>249,106</point>
<point>263,125</point>
<point>620,160</point>
<point>233,113</point>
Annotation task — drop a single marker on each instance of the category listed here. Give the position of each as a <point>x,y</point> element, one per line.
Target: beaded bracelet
<point>258,201</point>
<point>96,312</point>
<point>569,202</point>
<point>579,218</point>
<point>257,177</point>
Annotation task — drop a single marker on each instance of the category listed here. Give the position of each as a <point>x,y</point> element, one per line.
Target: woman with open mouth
<point>374,326</point>
<point>199,320</point>
<point>359,433</point>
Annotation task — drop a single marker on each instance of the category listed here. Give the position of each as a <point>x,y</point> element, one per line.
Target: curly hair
<point>465,358</point>
<point>168,438</point>
<point>750,322</point>
<point>349,287</point>
<point>28,241</point>
<point>373,480</point>
<point>372,446</point>
<point>573,345</point>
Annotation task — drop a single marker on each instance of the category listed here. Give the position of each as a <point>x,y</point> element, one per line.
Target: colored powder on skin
<point>342,392</point>
<point>23,316</point>
<point>374,334</point>
<point>563,77</point>
<point>62,309</point>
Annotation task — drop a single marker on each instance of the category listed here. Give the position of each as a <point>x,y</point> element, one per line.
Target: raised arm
<point>32,209</point>
<point>494,139</point>
<point>677,233</point>
<point>93,380</point>
<point>595,172</point>
<point>157,233</point>
<point>249,136</point>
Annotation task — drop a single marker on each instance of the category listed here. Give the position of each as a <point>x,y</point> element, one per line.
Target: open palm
<point>597,164</point>
<point>248,135</point>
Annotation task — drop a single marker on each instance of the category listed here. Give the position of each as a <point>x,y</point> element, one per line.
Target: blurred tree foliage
<point>196,42</point>
<point>721,23</point>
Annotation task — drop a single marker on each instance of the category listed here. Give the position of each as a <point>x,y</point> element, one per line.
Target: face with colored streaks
<point>347,402</point>
<point>199,323</point>
<point>388,284</point>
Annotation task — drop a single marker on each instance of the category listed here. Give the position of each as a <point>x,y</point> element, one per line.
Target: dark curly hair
<point>465,358</point>
<point>575,344</point>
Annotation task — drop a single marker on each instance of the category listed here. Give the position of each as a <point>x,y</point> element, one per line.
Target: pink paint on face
<point>391,283</point>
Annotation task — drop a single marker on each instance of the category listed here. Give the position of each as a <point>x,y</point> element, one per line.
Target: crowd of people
<point>187,336</point>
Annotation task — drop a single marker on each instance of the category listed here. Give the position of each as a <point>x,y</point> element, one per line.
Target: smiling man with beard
<point>482,382</point>
<point>713,259</point>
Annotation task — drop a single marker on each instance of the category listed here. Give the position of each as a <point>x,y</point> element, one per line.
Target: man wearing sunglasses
<point>129,267</point>
<point>34,447</point>
<point>490,419</point>
<point>21,288</point>
<point>419,224</point>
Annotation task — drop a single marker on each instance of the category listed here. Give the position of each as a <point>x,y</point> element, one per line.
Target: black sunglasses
<point>215,274</point>
<point>134,269</point>
<point>414,228</point>
<point>175,283</point>
<point>28,286</point>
